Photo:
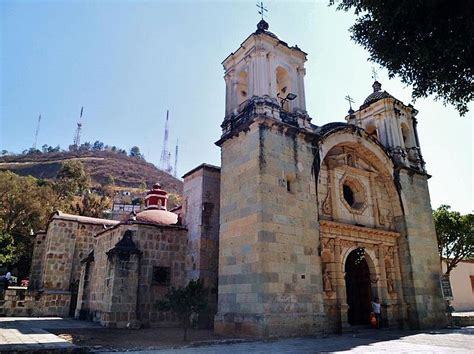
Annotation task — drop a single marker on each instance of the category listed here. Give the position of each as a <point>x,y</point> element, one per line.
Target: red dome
<point>157,216</point>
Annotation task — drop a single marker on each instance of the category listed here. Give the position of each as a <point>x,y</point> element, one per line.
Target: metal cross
<point>262,9</point>
<point>350,100</point>
<point>374,74</point>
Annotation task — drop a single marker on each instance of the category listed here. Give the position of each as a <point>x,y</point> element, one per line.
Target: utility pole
<point>37,131</point>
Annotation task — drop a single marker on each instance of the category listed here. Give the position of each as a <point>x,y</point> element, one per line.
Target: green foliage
<point>137,201</point>
<point>428,44</point>
<point>174,200</point>
<point>72,179</point>
<point>186,301</point>
<point>93,205</point>
<point>135,152</point>
<point>455,233</point>
<point>25,206</point>
<point>98,145</point>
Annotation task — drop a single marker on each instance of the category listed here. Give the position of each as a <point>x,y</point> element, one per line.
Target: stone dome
<point>377,94</point>
<point>157,216</point>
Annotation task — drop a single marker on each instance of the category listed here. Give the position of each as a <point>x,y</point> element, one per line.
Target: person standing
<point>5,279</point>
<point>377,311</point>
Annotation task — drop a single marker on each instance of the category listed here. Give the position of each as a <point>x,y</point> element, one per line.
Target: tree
<point>85,146</point>
<point>455,233</point>
<point>135,152</point>
<point>174,200</point>
<point>93,205</point>
<point>98,146</point>
<point>33,151</point>
<point>71,179</point>
<point>186,301</point>
<point>428,44</point>
<point>25,206</point>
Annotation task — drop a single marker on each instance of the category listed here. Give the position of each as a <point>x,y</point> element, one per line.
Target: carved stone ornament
<point>327,285</point>
<point>390,287</point>
<point>327,207</point>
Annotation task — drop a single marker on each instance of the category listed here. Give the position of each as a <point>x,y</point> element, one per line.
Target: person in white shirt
<point>377,311</point>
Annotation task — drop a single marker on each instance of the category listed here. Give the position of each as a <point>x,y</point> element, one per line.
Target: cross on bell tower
<point>261,9</point>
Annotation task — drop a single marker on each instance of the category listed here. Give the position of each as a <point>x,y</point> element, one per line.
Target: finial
<point>374,74</point>
<point>350,100</point>
<point>377,86</point>
<point>261,9</point>
<point>262,25</point>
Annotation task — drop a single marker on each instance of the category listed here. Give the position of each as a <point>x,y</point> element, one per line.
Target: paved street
<point>31,334</point>
<point>446,341</point>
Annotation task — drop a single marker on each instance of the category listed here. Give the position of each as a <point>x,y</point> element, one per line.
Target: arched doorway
<point>358,288</point>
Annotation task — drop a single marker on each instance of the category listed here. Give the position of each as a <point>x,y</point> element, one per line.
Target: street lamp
<point>289,97</point>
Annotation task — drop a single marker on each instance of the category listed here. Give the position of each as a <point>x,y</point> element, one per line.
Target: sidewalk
<point>30,334</point>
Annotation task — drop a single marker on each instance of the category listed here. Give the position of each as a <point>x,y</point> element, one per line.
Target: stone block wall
<point>58,255</point>
<point>270,281</point>
<point>20,302</point>
<point>67,243</point>
<point>115,285</point>
<point>419,259</point>
<point>201,191</point>
<point>36,274</point>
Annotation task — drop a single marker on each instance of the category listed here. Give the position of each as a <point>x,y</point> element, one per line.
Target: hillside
<point>127,171</point>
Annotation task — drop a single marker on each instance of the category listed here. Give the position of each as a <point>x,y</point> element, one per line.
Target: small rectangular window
<point>161,275</point>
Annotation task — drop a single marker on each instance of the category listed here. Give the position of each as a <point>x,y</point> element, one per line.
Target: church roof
<point>330,127</point>
<point>378,94</point>
<point>157,216</point>
<point>262,29</point>
<point>83,219</point>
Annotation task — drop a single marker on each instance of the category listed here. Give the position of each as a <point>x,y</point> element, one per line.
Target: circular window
<point>353,194</point>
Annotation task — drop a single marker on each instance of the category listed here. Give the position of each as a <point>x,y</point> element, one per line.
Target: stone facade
<point>120,288</point>
<point>56,261</point>
<point>318,221</point>
<point>201,215</point>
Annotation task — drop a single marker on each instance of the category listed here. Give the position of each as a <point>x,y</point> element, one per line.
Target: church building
<point>317,221</point>
<point>301,227</point>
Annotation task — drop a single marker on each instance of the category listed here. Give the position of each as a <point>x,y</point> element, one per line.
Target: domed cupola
<point>378,94</point>
<point>155,211</point>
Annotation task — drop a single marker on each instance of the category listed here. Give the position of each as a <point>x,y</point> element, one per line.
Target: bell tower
<point>270,279</point>
<point>394,125</point>
<point>265,67</point>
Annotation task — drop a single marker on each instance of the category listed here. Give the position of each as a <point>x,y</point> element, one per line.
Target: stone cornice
<point>349,228</point>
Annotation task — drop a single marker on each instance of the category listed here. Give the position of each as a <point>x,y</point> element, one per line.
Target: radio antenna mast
<point>37,131</point>
<point>165,154</point>
<point>176,160</point>
<point>77,135</point>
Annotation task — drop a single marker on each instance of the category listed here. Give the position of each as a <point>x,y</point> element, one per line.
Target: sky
<point>127,62</point>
